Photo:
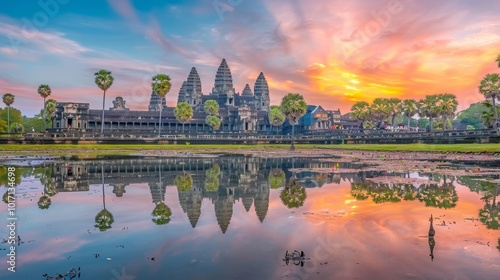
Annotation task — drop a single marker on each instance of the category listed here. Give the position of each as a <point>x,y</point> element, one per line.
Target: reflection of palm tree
<point>104,219</point>
<point>48,182</point>
<point>161,214</point>
<point>432,243</point>
<point>5,197</point>
<point>490,216</point>
<point>212,178</point>
<point>277,178</point>
<point>44,202</point>
<point>498,247</point>
<point>293,195</point>
<point>359,191</point>
<point>441,197</point>
<point>184,182</point>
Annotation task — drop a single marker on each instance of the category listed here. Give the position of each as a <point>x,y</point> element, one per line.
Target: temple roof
<point>247,91</point>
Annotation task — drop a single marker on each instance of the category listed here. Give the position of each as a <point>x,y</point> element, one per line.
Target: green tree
<point>183,113</point>
<point>103,80</point>
<point>161,214</point>
<point>394,107</point>
<point>276,117</point>
<point>212,177</point>
<point>277,178</point>
<point>213,121</point>
<point>428,109</point>
<point>13,114</point>
<point>50,109</point>
<point>409,109</point>
<point>489,87</point>
<point>8,99</point>
<point>472,116</point>
<point>447,106</point>
<point>211,108</point>
<point>488,115</point>
<point>293,107</point>
<point>381,110</point>
<point>161,86</point>
<point>5,197</point>
<point>360,111</point>
<point>35,123</point>
<point>44,91</point>
<point>293,195</point>
<point>184,182</point>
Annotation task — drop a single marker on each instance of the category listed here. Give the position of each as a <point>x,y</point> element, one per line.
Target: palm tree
<point>276,117</point>
<point>211,108</point>
<point>214,122</point>
<point>489,87</point>
<point>394,107</point>
<point>447,104</point>
<point>44,91</point>
<point>183,113</point>
<point>381,110</point>
<point>8,99</point>
<point>409,108</point>
<point>429,109</point>
<point>360,111</point>
<point>488,116</point>
<point>103,80</point>
<point>50,107</point>
<point>293,107</point>
<point>161,86</point>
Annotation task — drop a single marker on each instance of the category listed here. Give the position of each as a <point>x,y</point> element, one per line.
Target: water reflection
<point>244,212</point>
<point>224,181</point>
<point>432,194</point>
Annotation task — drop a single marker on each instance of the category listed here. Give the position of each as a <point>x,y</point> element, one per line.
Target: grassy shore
<point>91,150</point>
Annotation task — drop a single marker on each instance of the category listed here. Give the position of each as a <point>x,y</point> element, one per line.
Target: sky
<point>333,52</point>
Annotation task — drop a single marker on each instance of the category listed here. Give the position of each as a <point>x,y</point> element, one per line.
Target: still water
<point>235,217</point>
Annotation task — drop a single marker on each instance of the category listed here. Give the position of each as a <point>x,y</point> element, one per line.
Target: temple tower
<point>261,92</point>
<point>193,89</point>
<point>247,91</point>
<point>154,102</point>
<point>223,80</point>
<point>182,93</point>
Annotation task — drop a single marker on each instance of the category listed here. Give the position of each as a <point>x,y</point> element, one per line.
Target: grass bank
<point>126,149</point>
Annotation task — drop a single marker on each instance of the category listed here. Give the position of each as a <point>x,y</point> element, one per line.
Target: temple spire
<point>223,80</point>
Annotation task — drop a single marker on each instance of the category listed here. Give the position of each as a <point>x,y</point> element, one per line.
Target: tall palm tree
<point>183,113</point>
<point>211,108</point>
<point>447,104</point>
<point>489,87</point>
<point>8,99</point>
<point>429,109</point>
<point>103,80</point>
<point>293,107</point>
<point>381,110</point>
<point>409,108</point>
<point>161,86</point>
<point>394,108</point>
<point>360,111</point>
<point>44,91</point>
<point>276,116</point>
<point>50,107</point>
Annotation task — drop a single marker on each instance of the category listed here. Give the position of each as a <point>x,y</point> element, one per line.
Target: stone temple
<point>239,112</point>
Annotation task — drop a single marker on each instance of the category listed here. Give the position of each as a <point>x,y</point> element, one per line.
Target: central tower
<point>223,80</point>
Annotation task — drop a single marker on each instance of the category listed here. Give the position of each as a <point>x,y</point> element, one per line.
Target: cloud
<point>45,42</point>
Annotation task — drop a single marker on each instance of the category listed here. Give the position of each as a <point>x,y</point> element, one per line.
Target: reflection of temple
<point>241,180</point>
